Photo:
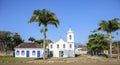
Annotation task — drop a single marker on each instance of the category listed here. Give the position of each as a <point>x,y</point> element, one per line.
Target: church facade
<point>62,48</point>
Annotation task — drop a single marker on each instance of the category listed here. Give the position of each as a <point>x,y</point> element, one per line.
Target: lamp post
<point>118,46</point>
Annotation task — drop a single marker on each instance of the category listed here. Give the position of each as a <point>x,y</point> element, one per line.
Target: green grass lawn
<point>10,59</point>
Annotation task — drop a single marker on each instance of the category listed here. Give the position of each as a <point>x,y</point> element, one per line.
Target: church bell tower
<point>70,36</point>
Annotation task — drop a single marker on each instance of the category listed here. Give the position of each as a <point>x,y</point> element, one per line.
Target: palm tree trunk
<point>44,45</point>
<point>110,37</point>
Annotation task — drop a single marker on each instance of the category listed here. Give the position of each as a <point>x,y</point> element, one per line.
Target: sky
<point>82,16</point>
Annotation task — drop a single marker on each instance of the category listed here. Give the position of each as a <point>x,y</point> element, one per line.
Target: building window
<point>63,45</point>
<point>51,46</point>
<point>17,52</point>
<point>70,45</point>
<point>70,36</point>
<point>22,52</point>
<point>78,49</point>
<point>33,53</point>
<point>57,45</point>
<point>46,52</point>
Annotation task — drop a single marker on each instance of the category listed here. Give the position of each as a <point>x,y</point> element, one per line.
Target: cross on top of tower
<point>70,30</point>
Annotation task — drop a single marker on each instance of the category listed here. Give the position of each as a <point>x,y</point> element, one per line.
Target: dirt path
<point>82,60</point>
<point>78,60</point>
<point>57,64</point>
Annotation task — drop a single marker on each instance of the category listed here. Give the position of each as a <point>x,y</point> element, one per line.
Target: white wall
<point>30,50</point>
<point>68,52</point>
<point>70,33</point>
<point>79,51</point>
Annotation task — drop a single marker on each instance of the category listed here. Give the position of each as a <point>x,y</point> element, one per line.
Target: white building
<point>79,51</point>
<point>29,50</point>
<point>62,48</point>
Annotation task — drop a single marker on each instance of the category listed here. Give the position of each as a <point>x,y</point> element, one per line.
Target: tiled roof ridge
<point>29,45</point>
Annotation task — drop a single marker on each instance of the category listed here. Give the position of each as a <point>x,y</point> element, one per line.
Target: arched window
<point>57,45</point>
<point>33,52</point>
<point>22,52</point>
<point>51,46</point>
<point>70,45</point>
<point>17,52</point>
<point>70,37</point>
<point>63,45</point>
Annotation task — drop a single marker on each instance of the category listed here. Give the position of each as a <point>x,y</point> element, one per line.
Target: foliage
<point>41,42</point>
<point>97,43</point>
<point>109,27</point>
<point>31,39</point>
<point>115,43</point>
<point>44,17</point>
<point>9,40</point>
<point>17,39</point>
<point>5,40</point>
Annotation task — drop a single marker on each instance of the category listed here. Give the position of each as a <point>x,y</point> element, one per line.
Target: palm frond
<point>32,19</point>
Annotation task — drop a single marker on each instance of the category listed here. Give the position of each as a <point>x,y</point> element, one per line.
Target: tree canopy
<point>9,40</point>
<point>109,27</point>
<point>44,17</point>
<point>31,39</point>
<point>97,43</point>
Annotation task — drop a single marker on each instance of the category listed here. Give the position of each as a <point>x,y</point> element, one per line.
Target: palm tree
<point>44,17</point>
<point>109,27</point>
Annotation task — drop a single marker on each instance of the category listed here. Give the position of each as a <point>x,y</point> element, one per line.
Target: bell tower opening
<point>70,36</point>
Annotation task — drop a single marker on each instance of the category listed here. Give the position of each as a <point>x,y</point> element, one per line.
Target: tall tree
<point>44,17</point>
<point>5,40</point>
<point>109,27</point>
<point>16,39</point>
<point>97,43</point>
<point>31,39</point>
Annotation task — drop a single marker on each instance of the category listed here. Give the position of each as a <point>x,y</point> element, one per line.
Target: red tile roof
<point>29,45</point>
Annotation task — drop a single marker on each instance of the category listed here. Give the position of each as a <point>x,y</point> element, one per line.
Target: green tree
<point>16,40</point>
<point>97,43</point>
<point>114,44</point>
<point>31,39</point>
<point>109,27</point>
<point>44,17</point>
<point>5,40</point>
<point>41,42</point>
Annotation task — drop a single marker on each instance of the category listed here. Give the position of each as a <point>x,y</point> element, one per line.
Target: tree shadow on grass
<point>40,58</point>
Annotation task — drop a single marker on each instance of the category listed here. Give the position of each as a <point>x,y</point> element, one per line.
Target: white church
<point>63,48</point>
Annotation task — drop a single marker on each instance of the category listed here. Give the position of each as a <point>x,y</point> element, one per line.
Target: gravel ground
<point>81,59</point>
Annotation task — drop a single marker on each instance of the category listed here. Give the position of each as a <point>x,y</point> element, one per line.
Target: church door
<point>27,54</point>
<point>61,53</point>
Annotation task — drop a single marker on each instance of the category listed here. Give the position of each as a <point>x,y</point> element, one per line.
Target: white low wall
<point>30,52</point>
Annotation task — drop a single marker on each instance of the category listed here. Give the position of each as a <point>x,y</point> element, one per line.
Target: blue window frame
<point>17,52</point>
<point>33,52</point>
<point>22,52</point>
